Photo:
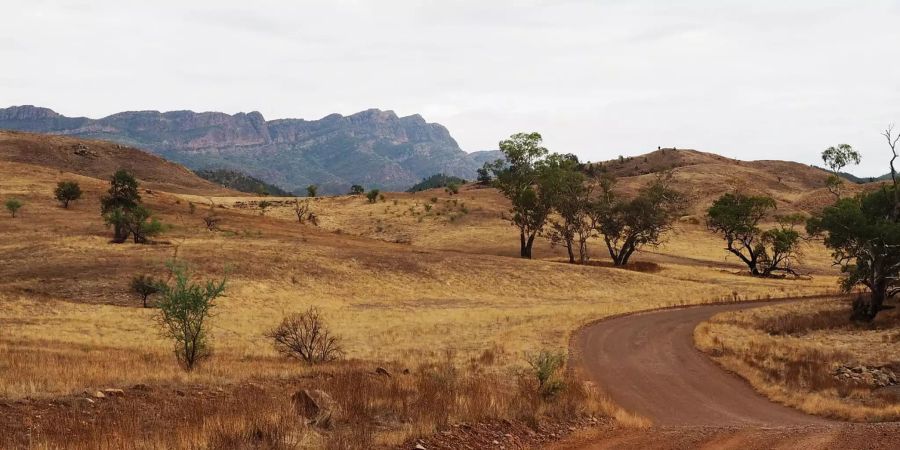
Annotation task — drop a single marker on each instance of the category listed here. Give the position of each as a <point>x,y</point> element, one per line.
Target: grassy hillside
<point>416,277</point>
<point>100,159</point>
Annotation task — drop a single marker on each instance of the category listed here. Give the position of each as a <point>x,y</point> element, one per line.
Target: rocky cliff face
<point>374,148</point>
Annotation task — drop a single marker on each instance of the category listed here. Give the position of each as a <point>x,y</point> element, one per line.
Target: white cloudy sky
<point>749,79</point>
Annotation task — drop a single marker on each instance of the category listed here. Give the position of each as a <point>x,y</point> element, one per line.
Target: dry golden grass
<point>371,410</point>
<point>65,287</point>
<point>790,352</point>
<point>69,323</point>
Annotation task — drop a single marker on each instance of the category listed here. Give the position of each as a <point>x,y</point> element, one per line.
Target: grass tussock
<point>372,410</point>
<point>791,352</point>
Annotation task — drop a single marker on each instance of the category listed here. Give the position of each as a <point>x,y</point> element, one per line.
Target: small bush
<point>545,366</point>
<point>145,286</point>
<point>67,191</point>
<point>184,308</point>
<point>372,195</point>
<point>263,206</point>
<point>305,336</point>
<point>13,206</point>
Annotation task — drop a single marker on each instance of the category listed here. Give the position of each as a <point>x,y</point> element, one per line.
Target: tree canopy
<point>864,237</point>
<point>518,181</point>
<point>736,216</point>
<point>629,224</point>
<point>66,192</point>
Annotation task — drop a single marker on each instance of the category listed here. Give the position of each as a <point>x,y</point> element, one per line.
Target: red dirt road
<point>648,365</point>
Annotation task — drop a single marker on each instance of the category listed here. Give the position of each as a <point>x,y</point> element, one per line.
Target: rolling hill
<point>100,159</point>
<point>412,281</point>
<point>705,176</point>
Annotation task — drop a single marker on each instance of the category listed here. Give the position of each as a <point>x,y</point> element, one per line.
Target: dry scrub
<point>792,353</point>
<point>373,410</point>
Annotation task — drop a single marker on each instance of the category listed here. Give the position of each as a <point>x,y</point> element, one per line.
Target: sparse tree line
<point>555,196</point>
<point>552,196</point>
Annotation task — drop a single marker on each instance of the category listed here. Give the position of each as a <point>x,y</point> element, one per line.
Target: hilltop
<point>705,176</point>
<point>373,148</point>
<point>100,159</point>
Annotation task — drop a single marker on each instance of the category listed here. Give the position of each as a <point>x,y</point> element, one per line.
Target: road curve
<point>647,364</point>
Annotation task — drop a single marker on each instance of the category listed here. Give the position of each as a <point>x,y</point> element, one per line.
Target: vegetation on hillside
<point>435,181</point>
<point>239,181</point>
<point>374,295</point>
<point>122,209</point>
<point>737,218</point>
<point>863,233</point>
<point>551,195</point>
<point>67,192</point>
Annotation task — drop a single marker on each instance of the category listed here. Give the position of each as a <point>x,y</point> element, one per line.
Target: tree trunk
<point>528,245</point>
<point>875,304</point>
<point>119,235</point>
<point>571,252</point>
<point>522,246</point>
<point>582,251</point>
<point>876,300</point>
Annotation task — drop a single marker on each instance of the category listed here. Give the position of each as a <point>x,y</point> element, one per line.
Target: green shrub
<point>545,366</point>
<point>145,286</point>
<point>185,308</point>
<point>67,191</point>
<point>13,206</point>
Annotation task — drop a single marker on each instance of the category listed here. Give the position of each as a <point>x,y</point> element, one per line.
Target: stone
<point>316,406</point>
<point>114,392</point>
<point>383,371</point>
<point>98,394</point>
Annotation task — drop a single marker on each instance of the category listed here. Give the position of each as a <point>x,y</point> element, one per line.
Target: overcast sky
<point>748,79</point>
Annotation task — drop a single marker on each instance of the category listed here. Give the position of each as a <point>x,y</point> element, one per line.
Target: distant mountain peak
<point>374,147</point>
<point>27,112</point>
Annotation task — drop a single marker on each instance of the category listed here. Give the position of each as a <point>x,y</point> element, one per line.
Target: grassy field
<point>792,354</point>
<point>403,283</point>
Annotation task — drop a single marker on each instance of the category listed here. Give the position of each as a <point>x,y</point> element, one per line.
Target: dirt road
<point>648,364</point>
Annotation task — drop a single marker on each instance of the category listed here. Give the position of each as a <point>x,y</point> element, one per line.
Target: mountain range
<point>373,148</point>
